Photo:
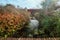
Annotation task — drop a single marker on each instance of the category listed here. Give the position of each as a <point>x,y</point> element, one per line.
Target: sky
<point>58,2</point>
<point>23,3</point>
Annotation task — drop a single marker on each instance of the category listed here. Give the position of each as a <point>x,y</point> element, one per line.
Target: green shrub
<point>50,25</point>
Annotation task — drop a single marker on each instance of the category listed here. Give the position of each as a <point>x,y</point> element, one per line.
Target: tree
<point>49,24</point>
<point>49,5</point>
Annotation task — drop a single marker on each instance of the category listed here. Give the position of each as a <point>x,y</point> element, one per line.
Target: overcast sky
<point>23,3</point>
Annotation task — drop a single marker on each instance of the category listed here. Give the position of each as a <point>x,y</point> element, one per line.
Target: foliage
<point>11,21</point>
<point>49,25</point>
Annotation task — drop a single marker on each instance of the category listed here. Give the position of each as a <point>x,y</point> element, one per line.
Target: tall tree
<point>49,5</point>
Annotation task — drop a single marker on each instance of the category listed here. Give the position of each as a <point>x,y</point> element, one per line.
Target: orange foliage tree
<point>10,22</point>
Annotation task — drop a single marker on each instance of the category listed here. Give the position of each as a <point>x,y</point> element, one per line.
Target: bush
<point>11,22</point>
<point>49,25</point>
